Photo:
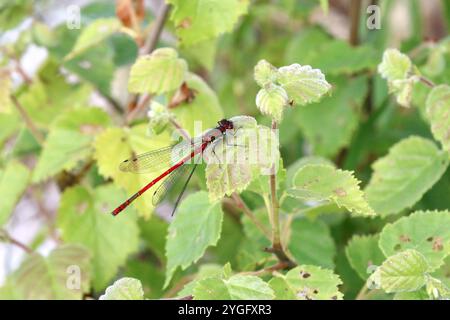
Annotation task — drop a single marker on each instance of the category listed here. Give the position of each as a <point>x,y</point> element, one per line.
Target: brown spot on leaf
<point>429,239</point>
<point>340,192</point>
<point>397,247</point>
<point>315,291</point>
<point>334,297</point>
<point>404,238</point>
<point>81,207</point>
<point>437,244</point>
<point>306,275</point>
<point>185,23</point>
<point>183,95</point>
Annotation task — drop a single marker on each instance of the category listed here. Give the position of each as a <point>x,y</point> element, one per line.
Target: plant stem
<point>427,81</point>
<point>355,12</point>
<point>15,242</point>
<point>180,129</point>
<point>241,205</point>
<point>28,122</point>
<point>279,266</point>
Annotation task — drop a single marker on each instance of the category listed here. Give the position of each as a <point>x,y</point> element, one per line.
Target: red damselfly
<point>175,159</point>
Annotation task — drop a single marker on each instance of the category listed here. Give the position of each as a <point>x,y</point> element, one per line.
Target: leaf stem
<point>241,205</point>
<point>180,129</point>
<point>427,81</point>
<point>28,122</point>
<point>355,12</point>
<point>8,238</point>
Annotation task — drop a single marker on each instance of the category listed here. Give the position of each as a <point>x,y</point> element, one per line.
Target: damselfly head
<point>226,124</point>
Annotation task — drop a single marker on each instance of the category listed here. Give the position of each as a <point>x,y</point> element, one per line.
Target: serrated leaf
<point>404,271</point>
<point>303,84</point>
<point>271,100</point>
<point>395,65</point>
<point>325,183</point>
<point>94,34</point>
<point>364,254</point>
<point>438,112</point>
<point>307,282</point>
<point>403,90</point>
<point>205,271</point>
<point>124,289</point>
<point>83,217</point>
<point>157,73</point>
<point>63,275</point>
<point>330,124</point>
<point>237,287</point>
<point>13,182</point>
<point>265,73</point>
<point>196,226</point>
<point>69,141</point>
<point>424,231</point>
<point>401,177</point>
<point>311,243</point>
<point>200,20</point>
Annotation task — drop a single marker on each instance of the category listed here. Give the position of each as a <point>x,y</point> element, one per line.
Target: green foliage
<point>124,289</point>
<point>363,253</point>
<point>438,106</point>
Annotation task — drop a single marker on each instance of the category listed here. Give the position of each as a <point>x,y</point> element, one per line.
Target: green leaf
<point>311,243</point>
<point>115,145</point>
<point>330,124</point>
<point>124,289</point>
<point>5,91</point>
<point>271,100</point>
<point>411,295</point>
<point>84,218</point>
<point>436,289</point>
<point>69,141</point>
<point>424,231</point>
<point>400,179</point>
<point>63,275</point>
<point>364,253</point>
<point>325,183</point>
<point>438,112</point>
<point>265,73</point>
<point>196,226</point>
<point>13,182</point>
<point>404,271</point>
<point>13,12</point>
<point>237,287</point>
<point>200,20</point>
<point>302,83</point>
<point>157,73</point>
<point>307,282</point>
<point>205,271</point>
<point>94,34</point>
<point>395,65</point>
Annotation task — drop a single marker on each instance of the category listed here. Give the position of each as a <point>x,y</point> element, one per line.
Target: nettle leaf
<point>405,271</point>
<point>200,20</point>
<point>157,73</point>
<point>330,124</point>
<point>311,243</point>
<point>237,287</point>
<point>94,34</point>
<point>196,226</point>
<point>115,145</point>
<point>69,141</point>
<point>438,112</point>
<point>13,182</point>
<point>124,289</point>
<point>400,179</point>
<point>303,84</point>
<point>364,254</point>
<point>427,232</point>
<point>84,218</point>
<point>247,151</point>
<point>307,282</point>
<point>63,275</point>
<point>271,100</point>
<point>325,183</point>
<point>395,65</point>
<point>265,73</point>
<point>436,289</point>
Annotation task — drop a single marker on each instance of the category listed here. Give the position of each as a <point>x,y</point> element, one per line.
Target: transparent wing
<point>159,159</point>
<point>179,177</point>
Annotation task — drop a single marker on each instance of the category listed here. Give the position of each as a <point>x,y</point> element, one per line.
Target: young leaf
<point>438,112</point>
<point>307,282</point>
<point>302,83</point>
<point>325,183</point>
<point>157,73</point>
<point>94,34</point>
<point>271,100</point>
<point>363,253</point>
<point>237,287</point>
<point>124,289</point>
<point>69,141</point>
<point>436,289</point>
<point>84,218</point>
<point>63,275</point>
<point>200,20</point>
<point>13,182</point>
<point>411,167</point>
<point>311,243</point>
<point>424,231</point>
<point>395,65</point>
<point>196,226</point>
<point>405,271</point>
<point>205,271</point>
<point>265,73</point>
